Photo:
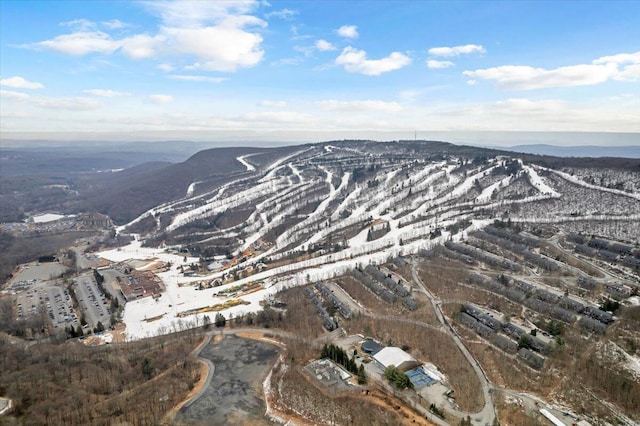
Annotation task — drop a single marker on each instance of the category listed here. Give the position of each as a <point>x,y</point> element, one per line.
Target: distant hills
<point>73,179</point>
<point>577,151</point>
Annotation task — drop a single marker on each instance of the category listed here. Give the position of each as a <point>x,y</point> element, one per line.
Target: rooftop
<point>394,356</point>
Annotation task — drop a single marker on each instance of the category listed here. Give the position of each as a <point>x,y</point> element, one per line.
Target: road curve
<point>487,415</point>
<point>210,371</point>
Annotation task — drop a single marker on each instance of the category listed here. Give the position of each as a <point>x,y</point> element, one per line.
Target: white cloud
<point>81,43</point>
<point>165,67</point>
<point>281,14</point>
<point>71,104</point>
<point>438,65</point>
<point>305,50</point>
<point>20,83</point>
<point>198,13</point>
<point>522,114</point>
<point>287,61</point>
<point>220,48</point>
<point>355,106</point>
<point>348,31</point>
<point>629,73</point>
<point>12,95</point>
<point>288,117</point>
<point>517,106</point>
<point>324,46</point>
<point>409,95</point>
<point>355,60</point>
<point>521,77</point>
<point>221,36</point>
<point>161,99</point>
<point>621,58</point>
<point>272,104</point>
<point>456,50</point>
<point>630,63</point>
<point>200,78</point>
<point>295,32</point>
<point>142,46</point>
<point>114,24</point>
<point>55,104</point>
<point>105,93</point>
<point>80,24</point>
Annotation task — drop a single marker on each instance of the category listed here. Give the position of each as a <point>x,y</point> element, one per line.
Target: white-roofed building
<point>396,357</point>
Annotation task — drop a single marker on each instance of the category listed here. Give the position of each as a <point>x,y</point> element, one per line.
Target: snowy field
<point>178,299</point>
<point>48,217</point>
<point>174,300</point>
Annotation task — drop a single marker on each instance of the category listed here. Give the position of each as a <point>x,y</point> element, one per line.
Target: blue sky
<point>338,67</point>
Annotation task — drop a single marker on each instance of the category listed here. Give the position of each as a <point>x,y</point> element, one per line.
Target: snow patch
<point>538,183</point>
<point>580,182</point>
<point>249,166</point>
<point>48,217</point>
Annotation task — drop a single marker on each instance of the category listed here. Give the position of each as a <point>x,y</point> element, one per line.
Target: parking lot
<point>39,272</point>
<point>33,273</point>
<point>344,297</point>
<point>52,301</point>
<point>111,284</point>
<point>93,303</point>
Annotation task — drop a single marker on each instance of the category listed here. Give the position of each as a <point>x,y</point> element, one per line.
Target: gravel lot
<point>234,394</point>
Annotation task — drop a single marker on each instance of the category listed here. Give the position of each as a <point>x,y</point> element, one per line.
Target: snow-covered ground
<point>486,194</point>
<point>539,183</point>
<point>628,362</point>
<point>580,182</point>
<point>249,166</point>
<point>47,217</point>
<point>178,299</point>
<point>413,199</point>
<point>174,300</point>
<point>191,189</point>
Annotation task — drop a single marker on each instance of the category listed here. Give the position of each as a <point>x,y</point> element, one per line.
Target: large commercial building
<point>396,357</point>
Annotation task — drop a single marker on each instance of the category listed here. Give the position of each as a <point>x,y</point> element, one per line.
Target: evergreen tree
<point>220,320</point>
<point>147,368</point>
<point>362,376</point>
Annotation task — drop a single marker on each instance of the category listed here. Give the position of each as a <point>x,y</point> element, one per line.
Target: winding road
<point>487,415</point>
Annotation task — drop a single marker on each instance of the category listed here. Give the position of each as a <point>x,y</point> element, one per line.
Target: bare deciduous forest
<point>69,383</point>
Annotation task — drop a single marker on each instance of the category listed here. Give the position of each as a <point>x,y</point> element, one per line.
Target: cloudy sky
<point>327,66</point>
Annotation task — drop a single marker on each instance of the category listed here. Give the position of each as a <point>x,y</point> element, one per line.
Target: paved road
<point>487,414</point>
<point>5,405</point>
<point>554,241</point>
<point>211,370</point>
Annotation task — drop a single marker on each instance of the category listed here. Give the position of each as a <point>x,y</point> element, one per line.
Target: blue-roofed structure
<point>418,378</point>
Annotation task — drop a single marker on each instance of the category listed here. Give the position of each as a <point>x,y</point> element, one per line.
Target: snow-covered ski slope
<point>323,209</point>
